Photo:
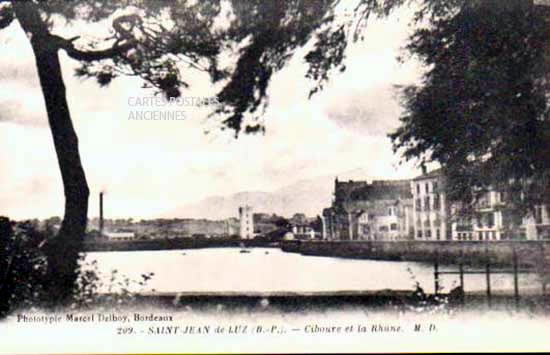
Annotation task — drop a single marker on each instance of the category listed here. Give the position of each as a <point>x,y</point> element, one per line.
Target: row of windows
<point>393,227</point>
<point>436,203</point>
<point>426,187</point>
<point>428,222</point>
<point>428,234</point>
<point>477,236</point>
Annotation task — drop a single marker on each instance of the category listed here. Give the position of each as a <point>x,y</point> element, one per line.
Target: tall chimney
<point>101,213</point>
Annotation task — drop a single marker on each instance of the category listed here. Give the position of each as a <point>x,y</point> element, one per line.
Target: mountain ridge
<point>308,196</point>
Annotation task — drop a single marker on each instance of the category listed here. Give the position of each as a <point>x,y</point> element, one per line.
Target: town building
<point>369,211</point>
<point>489,219</point>
<point>538,223</point>
<point>304,231</point>
<point>418,209</point>
<point>430,210</point>
<point>120,235</point>
<point>246,219</point>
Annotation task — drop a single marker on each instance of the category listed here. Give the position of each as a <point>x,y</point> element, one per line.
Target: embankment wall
<point>445,252</point>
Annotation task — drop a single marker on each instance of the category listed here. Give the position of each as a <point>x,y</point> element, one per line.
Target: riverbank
<point>174,243</point>
<point>396,300</point>
<point>474,253</point>
<point>528,253</point>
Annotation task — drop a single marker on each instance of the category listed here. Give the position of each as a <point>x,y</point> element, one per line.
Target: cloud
<point>373,112</point>
<point>23,112</point>
<point>21,71</point>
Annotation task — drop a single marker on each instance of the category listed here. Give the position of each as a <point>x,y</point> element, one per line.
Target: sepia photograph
<point>274,176</point>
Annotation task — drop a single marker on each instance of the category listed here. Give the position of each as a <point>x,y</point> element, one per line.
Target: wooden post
<point>461,272</point>
<point>488,275</point>
<point>436,274</point>
<point>461,269</point>
<point>543,268</point>
<point>516,286</point>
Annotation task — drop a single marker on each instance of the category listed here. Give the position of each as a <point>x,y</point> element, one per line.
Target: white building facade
<point>436,219</point>
<point>246,219</point>
<point>429,208</point>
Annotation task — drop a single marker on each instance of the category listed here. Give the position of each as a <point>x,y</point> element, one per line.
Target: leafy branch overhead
<point>239,44</point>
<point>481,110</point>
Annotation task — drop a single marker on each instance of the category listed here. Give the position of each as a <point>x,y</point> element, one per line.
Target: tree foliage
<point>22,265</point>
<point>159,41</point>
<point>481,110</point>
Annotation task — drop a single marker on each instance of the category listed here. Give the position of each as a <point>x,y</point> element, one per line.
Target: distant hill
<point>307,196</point>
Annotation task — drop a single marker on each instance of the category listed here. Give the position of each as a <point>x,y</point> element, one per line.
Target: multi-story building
<point>418,209</point>
<point>437,219</point>
<point>430,210</point>
<point>488,220</point>
<point>537,223</point>
<point>362,211</point>
<point>246,218</point>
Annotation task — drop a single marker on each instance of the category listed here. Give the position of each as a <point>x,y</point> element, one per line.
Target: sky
<point>148,167</point>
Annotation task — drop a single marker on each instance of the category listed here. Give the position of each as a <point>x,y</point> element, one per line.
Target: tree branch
<point>6,15</point>
<point>89,56</point>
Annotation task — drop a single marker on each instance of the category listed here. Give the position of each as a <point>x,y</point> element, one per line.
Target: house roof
<point>378,190</point>
<point>432,174</point>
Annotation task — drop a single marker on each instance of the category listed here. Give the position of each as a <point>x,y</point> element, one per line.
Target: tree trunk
<point>62,251</point>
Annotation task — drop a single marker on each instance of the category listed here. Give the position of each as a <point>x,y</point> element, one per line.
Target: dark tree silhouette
<point>481,110</point>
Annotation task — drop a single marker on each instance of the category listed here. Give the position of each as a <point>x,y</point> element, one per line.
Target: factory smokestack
<point>101,213</point>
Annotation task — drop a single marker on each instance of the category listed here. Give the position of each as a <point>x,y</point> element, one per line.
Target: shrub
<point>23,273</point>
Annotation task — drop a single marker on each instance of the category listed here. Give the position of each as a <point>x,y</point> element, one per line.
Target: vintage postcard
<point>235,176</point>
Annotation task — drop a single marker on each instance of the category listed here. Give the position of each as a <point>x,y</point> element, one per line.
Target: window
<point>427,203</point>
<point>418,204</point>
<point>419,234</point>
<point>389,211</point>
<point>437,221</point>
<point>437,203</point>
<point>491,220</point>
<point>418,189</point>
<point>393,226</point>
<point>383,228</point>
<point>437,234</point>
<point>479,222</point>
<point>435,186</point>
<point>428,233</point>
<point>427,187</point>
<point>484,201</point>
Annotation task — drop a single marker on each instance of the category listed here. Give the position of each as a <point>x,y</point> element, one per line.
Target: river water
<point>272,270</point>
